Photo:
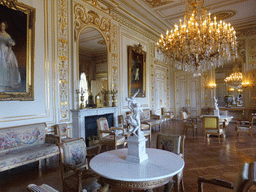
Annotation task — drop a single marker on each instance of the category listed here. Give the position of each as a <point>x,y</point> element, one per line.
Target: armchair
<point>74,167</point>
<point>166,114</point>
<point>61,130</point>
<point>175,144</point>
<point>146,129</point>
<point>188,123</point>
<point>246,126</point>
<point>107,136</point>
<point>212,126</point>
<point>244,180</point>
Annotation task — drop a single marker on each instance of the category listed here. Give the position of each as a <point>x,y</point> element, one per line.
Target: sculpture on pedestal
<point>137,140</point>
<point>216,108</point>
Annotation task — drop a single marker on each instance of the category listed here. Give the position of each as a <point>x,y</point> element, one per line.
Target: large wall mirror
<point>229,94</point>
<point>93,64</point>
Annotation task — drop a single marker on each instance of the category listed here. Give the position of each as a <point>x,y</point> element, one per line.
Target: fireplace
<point>84,121</point>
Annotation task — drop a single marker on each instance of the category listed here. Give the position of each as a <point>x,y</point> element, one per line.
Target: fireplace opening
<point>91,128</point>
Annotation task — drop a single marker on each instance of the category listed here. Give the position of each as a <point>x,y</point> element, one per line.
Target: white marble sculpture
<point>216,108</point>
<point>137,141</point>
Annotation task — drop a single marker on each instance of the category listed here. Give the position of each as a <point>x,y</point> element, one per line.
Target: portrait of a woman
<point>10,78</point>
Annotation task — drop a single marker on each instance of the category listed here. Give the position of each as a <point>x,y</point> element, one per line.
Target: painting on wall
<point>136,71</point>
<point>17,28</point>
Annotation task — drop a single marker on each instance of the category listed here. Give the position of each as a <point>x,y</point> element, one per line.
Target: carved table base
<point>146,185</point>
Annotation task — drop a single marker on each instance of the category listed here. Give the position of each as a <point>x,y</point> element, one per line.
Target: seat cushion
<point>152,122</point>
<point>110,139</point>
<point>23,154</point>
<point>211,131</point>
<point>146,132</point>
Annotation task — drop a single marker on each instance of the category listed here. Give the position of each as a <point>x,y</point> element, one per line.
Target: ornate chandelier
<point>235,78</point>
<point>199,43</point>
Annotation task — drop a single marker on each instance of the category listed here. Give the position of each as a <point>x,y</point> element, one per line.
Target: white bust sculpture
<point>134,120</point>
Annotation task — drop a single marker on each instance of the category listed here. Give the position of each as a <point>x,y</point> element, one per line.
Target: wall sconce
<point>246,84</point>
<point>212,85</point>
<point>231,89</point>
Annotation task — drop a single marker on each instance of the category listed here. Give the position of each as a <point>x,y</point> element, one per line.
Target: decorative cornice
<point>134,26</point>
<point>246,32</point>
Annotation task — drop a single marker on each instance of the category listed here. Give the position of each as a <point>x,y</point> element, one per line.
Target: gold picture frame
<point>136,71</point>
<point>17,69</point>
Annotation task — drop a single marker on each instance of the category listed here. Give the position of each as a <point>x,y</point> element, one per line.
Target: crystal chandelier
<point>199,43</point>
<point>235,78</point>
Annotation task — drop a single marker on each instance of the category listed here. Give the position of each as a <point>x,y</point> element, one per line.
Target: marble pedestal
<point>136,149</point>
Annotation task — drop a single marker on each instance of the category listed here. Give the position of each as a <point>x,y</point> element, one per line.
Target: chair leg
<point>182,185</point>
<point>200,185</point>
<point>251,135</point>
<point>99,149</point>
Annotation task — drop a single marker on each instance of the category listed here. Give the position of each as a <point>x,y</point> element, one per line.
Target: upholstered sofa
<point>25,144</point>
<point>147,117</point>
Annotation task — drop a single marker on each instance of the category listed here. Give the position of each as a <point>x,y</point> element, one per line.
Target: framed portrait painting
<point>17,32</point>
<point>136,71</point>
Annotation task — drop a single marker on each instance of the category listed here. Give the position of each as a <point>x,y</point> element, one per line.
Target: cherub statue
<point>134,120</point>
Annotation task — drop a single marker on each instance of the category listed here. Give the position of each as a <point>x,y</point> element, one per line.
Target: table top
<point>159,165</point>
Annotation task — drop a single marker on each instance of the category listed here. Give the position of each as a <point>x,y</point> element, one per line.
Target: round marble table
<point>156,171</point>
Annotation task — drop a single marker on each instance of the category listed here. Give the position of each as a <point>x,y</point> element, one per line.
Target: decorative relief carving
<point>97,4</point>
<point>82,18</point>
<point>222,15</point>
<point>246,32</point>
<point>114,59</point>
<point>135,185</point>
<point>63,58</point>
<point>241,48</point>
<point>252,53</point>
<point>157,3</point>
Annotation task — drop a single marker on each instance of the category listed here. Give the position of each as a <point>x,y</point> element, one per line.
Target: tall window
<point>83,87</point>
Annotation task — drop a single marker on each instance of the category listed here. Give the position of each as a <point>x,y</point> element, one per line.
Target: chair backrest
<point>120,120</point>
<point>73,152</point>
<point>253,120</point>
<point>183,115</point>
<point>62,130</point>
<point>211,122</point>
<point>245,178</point>
<point>172,143</point>
<point>102,125</point>
<point>206,111</point>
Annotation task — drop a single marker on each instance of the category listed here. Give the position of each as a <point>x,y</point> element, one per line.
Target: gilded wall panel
<point>252,53</point>
<point>114,57</point>
<point>63,59</point>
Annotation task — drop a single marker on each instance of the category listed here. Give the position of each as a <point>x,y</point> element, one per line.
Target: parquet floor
<point>203,157</point>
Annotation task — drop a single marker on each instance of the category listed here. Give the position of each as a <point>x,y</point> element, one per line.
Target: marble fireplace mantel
<point>78,117</point>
